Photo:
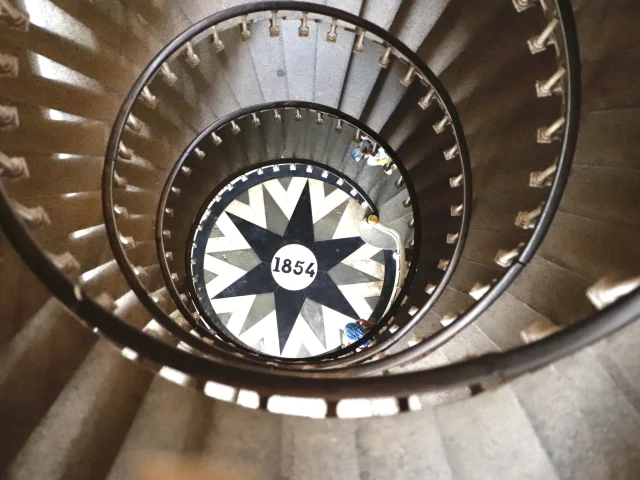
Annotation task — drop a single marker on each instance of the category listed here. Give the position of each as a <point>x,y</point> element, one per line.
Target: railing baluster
<point>456,210</point>
<point>120,212</point>
<point>332,34</point>
<point>456,181</point>
<point>9,66</point>
<point>303,31</point>
<point>408,77</point>
<point>126,242</point>
<point>65,262</point>
<point>548,134</point>
<point>217,140</point>
<point>448,319</point>
<point>389,168</point>
<point>451,153</point>
<point>443,264</point>
<point>34,217</point>
<point>134,123</point>
<point>118,181</point>
<point>385,59</point>
<point>199,153</point>
<point>358,46</point>
<point>479,290</point>
<point>427,100</point>
<point>550,86</point>
<point>148,98</point>
<point>190,56</point>
<point>274,30</point>
<point>527,220</point>
<point>9,118</point>
<point>218,46</point>
<point>141,272</point>
<point>13,17</point>
<point>538,330</point>
<point>543,178</point>
<point>167,75</point>
<point>539,43</point>
<point>245,34</point>
<point>606,291</point>
<point>522,5</point>
<point>442,124</point>
<point>124,152</point>
<point>106,301</point>
<point>505,258</point>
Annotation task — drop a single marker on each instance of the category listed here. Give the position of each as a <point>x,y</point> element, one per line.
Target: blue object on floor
<point>354,332</point>
<point>356,154</point>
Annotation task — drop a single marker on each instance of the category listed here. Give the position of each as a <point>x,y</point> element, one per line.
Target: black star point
<point>265,244</point>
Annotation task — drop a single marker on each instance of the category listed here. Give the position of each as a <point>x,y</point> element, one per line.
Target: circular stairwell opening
<point>278,263</point>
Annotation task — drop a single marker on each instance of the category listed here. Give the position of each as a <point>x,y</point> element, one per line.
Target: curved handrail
<point>217,125</point>
<point>445,103</point>
<point>564,166</point>
<point>412,194</point>
<point>374,222</point>
<point>573,103</point>
<point>483,368</point>
<point>474,371</point>
<point>573,106</point>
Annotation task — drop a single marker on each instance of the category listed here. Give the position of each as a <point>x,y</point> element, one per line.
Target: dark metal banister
<point>493,366</point>
<point>573,107</point>
<point>367,131</point>
<point>110,219</point>
<point>488,367</point>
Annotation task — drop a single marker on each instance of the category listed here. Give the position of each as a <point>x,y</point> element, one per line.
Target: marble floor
<point>282,266</point>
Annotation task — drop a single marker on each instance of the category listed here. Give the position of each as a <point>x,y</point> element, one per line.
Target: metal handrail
<point>564,165</point>
<point>401,386</point>
<point>219,124</point>
<point>503,365</point>
<point>401,270</point>
<point>444,101</point>
<point>328,358</point>
<point>573,105</point>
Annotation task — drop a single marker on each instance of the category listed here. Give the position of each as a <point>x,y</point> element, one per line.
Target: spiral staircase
<point>498,249</point>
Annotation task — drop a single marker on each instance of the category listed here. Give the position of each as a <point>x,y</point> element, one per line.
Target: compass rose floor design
<point>277,261</point>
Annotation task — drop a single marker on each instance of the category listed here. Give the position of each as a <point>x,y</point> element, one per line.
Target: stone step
<point>478,439</point>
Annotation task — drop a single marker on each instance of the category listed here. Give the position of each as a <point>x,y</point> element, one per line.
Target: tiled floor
<point>295,309</point>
